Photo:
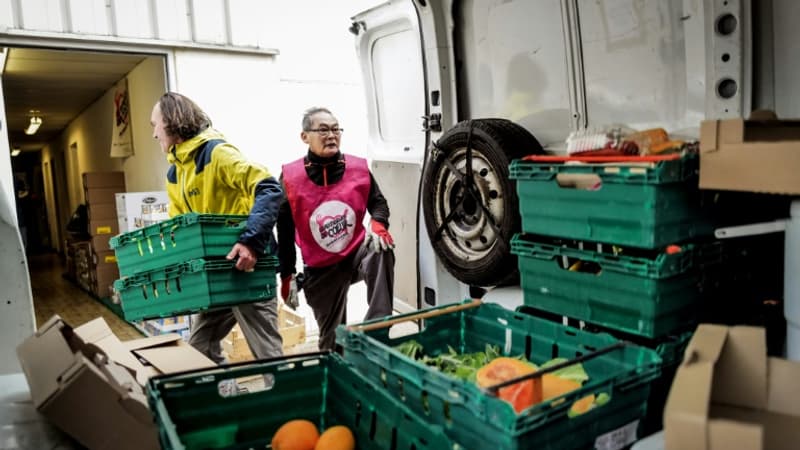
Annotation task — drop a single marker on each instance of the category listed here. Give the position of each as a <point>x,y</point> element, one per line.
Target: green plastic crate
<point>646,206</point>
<point>191,413</point>
<point>194,286</point>
<point>478,420</point>
<point>182,238</point>
<point>648,297</point>
<point>670,349</point>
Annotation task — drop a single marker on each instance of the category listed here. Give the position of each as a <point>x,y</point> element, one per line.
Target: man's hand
<point>244,256</point>
<point>378,237</point>
<point>289,292</point>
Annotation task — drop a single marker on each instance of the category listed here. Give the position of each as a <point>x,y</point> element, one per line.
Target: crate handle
<point>579,181</point>
<point>538,374</point>
<point>420,315</point>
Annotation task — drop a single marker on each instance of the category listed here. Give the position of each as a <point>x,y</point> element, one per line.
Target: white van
<point>515,77</point>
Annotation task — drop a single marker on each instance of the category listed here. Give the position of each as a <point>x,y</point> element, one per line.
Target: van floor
<point>54,294</point>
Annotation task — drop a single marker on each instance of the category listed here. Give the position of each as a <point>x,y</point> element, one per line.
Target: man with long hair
<point>209,175</point>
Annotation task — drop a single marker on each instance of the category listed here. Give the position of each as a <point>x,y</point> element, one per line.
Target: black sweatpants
<point>326,289</point>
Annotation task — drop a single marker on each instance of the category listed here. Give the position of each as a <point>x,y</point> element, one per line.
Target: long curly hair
<point>182,117</point>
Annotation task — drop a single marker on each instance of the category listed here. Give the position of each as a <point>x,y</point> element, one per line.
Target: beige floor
<point>53,294</point>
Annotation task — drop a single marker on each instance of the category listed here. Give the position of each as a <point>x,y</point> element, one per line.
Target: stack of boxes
<point>100,189</point>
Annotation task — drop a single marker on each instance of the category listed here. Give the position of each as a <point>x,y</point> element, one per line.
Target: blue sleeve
<point>258,234</point>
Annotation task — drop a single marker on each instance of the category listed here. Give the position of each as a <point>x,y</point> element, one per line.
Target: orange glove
<point>378,237</point>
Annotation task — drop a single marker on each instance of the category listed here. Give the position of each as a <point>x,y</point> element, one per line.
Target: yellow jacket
<point>209,175</point>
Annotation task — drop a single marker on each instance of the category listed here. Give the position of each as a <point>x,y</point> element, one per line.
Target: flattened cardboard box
<point>727,394</point>
<point>750,155</point>
<point>90,384</point>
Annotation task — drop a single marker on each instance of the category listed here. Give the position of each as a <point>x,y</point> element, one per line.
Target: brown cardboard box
<point>100,259</point>
<point>90,384</point>
<point>108,227</point>
<point>102,279</point>
<point>101,242</point>
<point>103,179</point>
<point>750,155</point>
<point>727,394</point>
<point>102,211</point>
<point>96,196</point>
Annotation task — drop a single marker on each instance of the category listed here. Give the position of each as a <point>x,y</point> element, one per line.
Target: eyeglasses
<point>327,131</point>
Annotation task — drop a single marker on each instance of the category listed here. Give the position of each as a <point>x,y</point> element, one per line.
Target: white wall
<point>317,66</point>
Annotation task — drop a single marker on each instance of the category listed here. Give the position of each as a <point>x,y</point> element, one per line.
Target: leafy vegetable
<point>410,348</point>
<point>459,365</point>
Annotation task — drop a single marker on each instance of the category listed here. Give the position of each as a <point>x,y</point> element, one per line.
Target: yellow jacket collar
<point>184,151</point>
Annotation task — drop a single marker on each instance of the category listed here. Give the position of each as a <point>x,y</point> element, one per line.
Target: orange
<point>298,434</point>
<point>338,437</point>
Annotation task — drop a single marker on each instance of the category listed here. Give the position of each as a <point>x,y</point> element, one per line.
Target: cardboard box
<point>108,227</point>
<point>291,326</point>
<point>102,211</point>
<point>90,384</point>
<point>727,394</point>
<point>750,155</point>
<point>139,209</point>
<point>102,279</point>
<point>96,196</point>
<point>100,259</point>
<point>101,243</point>
<point>103,179</point>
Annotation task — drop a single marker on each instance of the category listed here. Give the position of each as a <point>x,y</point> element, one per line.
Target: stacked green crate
<point>194,412</point>
<point>602,251</point>
<point>644,205</point>
<point>476,419</point>
<point>620,246</point>
<point>178,267</point>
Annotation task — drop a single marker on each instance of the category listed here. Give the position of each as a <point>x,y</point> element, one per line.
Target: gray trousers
<point>259,324</point>
<point>326,290</point>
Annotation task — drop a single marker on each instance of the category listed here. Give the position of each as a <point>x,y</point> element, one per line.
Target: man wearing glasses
<point>326,196</point>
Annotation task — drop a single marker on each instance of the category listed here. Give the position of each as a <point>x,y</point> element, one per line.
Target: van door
<point>16,321</point>
<point>389,48</point>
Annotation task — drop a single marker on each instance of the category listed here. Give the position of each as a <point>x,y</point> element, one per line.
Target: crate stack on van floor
<point>178,267</point>
<point>617,245</point>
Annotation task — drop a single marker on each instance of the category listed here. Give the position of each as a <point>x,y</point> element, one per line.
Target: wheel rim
<point>470,234</point>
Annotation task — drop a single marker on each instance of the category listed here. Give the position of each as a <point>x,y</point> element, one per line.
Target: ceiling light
<point>36,122</point>
<point>15,151</point>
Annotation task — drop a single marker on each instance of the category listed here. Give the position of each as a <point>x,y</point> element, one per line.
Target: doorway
<point>59,106</point>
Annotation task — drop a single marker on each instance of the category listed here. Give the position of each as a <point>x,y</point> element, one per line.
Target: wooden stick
<point>433,312</point>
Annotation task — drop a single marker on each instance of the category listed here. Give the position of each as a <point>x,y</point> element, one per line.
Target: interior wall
<point>146,169</point>
<point>91,134</point>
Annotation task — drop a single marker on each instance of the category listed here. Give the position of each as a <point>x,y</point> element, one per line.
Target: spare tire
<point>471,220</point>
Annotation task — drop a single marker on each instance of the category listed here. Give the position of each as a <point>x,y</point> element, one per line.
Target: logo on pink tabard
<point>332,225</point>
